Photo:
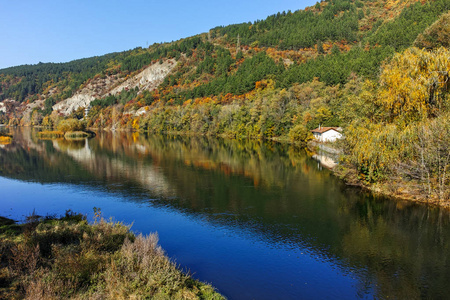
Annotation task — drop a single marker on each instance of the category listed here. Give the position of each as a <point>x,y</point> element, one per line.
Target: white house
<point>327,134</point>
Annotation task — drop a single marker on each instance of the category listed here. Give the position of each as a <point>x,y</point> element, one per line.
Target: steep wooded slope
<point>329,41</point>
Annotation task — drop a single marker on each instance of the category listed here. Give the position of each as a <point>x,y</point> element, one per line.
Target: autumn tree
<point>430,164</point>
<point>414,84</point>
<point>300,134</point>
<point>36,117</point>
<point>71,125</point>
<point>371,149</point>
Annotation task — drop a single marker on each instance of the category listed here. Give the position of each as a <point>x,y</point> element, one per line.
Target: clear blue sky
<point>62,30</point>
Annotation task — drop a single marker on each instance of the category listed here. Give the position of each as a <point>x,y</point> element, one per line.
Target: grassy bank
<point>60,258</point>
<point>67,135</point>
<point>50,134</point>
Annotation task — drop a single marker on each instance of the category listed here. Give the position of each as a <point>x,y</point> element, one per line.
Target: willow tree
<point>414,85</point>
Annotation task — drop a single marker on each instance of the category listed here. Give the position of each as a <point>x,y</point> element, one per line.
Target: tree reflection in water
<point>273,192</point>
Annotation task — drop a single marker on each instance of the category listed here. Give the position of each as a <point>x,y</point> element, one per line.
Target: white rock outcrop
<point>98,88</point>
<point>71,104</point>
<point>148,79</point>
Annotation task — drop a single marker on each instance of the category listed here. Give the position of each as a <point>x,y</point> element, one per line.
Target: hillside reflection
<point>273,192</point>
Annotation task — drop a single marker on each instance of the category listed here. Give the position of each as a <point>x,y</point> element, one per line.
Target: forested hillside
<point>298,46</point>
<point>347,63</point>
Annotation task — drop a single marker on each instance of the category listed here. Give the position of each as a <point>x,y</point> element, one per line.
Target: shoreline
<point>390,190</point>
<point>379,189</point>
<point>331,163</point>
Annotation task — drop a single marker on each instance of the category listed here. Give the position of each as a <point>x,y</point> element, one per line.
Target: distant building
<point>327,134</point>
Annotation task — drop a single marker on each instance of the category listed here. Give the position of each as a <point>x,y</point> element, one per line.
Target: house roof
<point>325,129</point>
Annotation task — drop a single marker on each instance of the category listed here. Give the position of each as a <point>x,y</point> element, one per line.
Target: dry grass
<point>68,258</point>
<point>67,135</point>
<point>50,134</point>
<point>142,270</point>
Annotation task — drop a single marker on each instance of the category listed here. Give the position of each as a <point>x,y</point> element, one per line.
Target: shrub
<point>300,134</point>
<point>68,258</point>
<point>71,125</point>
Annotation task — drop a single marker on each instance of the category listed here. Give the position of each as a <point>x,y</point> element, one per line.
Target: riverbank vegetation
<point>67,258</point>
<point>401,146</point>
<point>378,69</point>
<point>50,134</point>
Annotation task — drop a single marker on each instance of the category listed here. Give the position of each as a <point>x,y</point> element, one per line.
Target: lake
<point>257,220</point>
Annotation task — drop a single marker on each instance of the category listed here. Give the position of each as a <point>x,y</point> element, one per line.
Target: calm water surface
<point>256,220</point>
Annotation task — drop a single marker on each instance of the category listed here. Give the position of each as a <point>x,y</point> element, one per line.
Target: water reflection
<point>114,167</point>
<point>266,191</point>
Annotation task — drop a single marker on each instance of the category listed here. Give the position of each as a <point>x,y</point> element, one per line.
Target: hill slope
<point>220,60</point>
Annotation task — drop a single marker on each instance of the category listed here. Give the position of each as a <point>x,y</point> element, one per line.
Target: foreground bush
<point>49,258</point>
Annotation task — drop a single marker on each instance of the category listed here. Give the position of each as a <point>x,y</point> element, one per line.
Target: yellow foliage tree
<point>414,84</point>
<point>372,148</point>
